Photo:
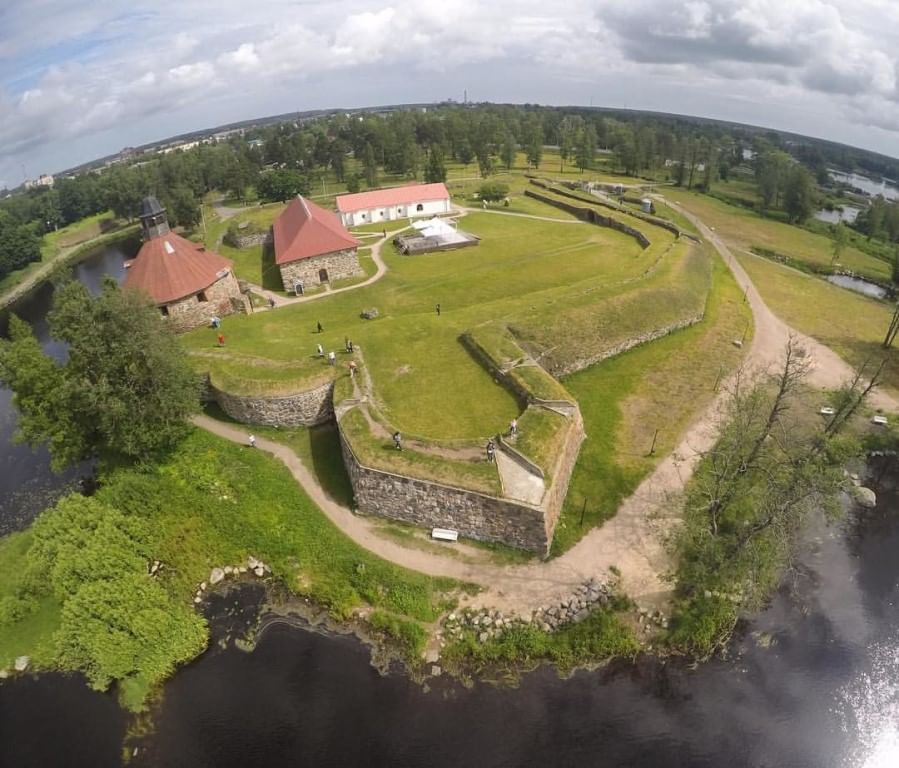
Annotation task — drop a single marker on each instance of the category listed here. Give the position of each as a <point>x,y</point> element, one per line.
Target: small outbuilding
<point>312,247</point>
<point>188,284</point>
<point>408,202</point>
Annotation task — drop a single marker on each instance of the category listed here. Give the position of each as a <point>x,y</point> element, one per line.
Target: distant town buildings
<point>410,201</point>
<point>44,180</point>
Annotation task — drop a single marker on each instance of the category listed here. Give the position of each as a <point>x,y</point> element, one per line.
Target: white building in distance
<point>393,203</point>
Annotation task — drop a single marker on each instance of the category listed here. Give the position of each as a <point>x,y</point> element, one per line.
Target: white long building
<point>394,203</point>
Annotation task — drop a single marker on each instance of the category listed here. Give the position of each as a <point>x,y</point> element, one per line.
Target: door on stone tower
<point>323,275</point>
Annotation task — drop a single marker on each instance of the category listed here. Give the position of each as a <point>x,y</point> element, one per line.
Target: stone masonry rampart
<point>307,408</point>
<point>592,216</point>
<point>432,505</point>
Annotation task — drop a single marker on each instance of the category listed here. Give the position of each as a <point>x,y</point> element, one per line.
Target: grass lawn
<point>663,386</point>
<point>850,324</point>
<point>742,230</point>
<point>426,380</point>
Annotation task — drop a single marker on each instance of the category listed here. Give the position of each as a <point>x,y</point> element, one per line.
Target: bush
<point>492,191</point>
<point>408,635</point>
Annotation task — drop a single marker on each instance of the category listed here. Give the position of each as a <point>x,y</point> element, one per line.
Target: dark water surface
<point>814,681</point>
<point>27,486</point>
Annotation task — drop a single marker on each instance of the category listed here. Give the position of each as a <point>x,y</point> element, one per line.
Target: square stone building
<point>188,284</point>
<point>312,247</point>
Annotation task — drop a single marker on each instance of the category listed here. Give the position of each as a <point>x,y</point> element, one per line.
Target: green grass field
<point>852,325</point>
<point>426,381</point>
<point>660,386</point>
<point>742,230</point>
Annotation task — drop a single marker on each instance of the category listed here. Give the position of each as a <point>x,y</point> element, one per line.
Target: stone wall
<point>339,264</point>
<point>223,297</point>
<point>561,475</point>
<point>432,505</point>
<point>592,216</point>
<point>248,240</point>
<point>301,409</point>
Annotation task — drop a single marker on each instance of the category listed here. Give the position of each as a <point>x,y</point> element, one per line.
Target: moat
<point>811,681</point>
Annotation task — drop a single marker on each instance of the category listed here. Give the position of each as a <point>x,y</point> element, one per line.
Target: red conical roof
<point>168,268</point>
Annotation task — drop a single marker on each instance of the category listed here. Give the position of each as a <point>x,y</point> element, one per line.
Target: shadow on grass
<point>271,275</point>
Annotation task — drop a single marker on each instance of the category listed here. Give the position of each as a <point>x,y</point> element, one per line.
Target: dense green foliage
<point>77,584</point>
<point>19,246</point>
<point>124,391</point>
<point>772,465</point>
<point>493,191</point>
<point>282,185</point>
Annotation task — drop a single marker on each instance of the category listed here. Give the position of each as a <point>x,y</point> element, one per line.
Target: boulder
<point>259,570</point>
<point>252,562</point>
<point>865,497</point>
<point>216,576</point>
<point>228,570</point>
<point>483,637</point>
<point>21,663</point>
<point>370,314</point>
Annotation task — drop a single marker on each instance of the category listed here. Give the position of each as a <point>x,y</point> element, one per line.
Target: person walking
<point>332,358</point>
<point>352,367</point>
<point>513,427</point>
<point>321,350</point>
<point>438,309</point>
<point>271,302</point>
<point>398,441</point>
<point>252,441</point>
<point>221,339</point>
<point>491,450</point>
<point>319,327</point>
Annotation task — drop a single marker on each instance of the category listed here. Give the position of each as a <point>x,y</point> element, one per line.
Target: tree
<point>19,246</point>
<point>586,147</point>
<point>771,170</point>
<point>182,207</point>
<point>352,183</point>
<point>799,194</point>
<point>436,170</point>
<point>464,152</point>
<point>370,165</point>
<point>124,392</point>
<point>281,185</point>
<point>509,150</point>
<point>840,236</point>
<point>493,191</point>
<point>535,144</point>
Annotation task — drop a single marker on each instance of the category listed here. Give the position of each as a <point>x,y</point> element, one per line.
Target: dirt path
<point>634,540</point>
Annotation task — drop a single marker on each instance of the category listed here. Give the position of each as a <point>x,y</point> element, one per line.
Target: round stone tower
<point>153,218</point>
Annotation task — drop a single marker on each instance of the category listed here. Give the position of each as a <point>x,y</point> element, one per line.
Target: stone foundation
<point>304,409</point>
<point>221,298</point>
<point>339,265</point>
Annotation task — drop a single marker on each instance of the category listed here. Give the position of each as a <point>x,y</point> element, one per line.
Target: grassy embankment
<point>744,230</point>
<point>850,324</point>
<point>210,503</point>
<point>64,247</point>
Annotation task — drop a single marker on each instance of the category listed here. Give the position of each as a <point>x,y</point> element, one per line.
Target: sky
<point>83,79</point>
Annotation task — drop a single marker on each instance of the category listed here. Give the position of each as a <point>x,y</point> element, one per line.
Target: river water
<point>811,681</point>
<point>27,484</point>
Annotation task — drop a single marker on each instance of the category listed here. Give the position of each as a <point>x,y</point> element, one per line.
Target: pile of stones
<point>576,607</point>
<point>648,620</point>
<point>252,567</point>
<point>489,624</point>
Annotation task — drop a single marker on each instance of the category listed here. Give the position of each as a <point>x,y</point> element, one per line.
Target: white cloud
<point>123,61</point>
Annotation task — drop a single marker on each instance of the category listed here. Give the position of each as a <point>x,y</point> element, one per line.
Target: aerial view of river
<point>27,484</point>
<point>812,681</point>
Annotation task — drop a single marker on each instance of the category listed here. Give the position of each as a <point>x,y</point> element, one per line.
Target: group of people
<point>491,446</point>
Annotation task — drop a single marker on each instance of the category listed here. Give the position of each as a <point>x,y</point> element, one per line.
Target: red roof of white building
<point>168,268</point>
<point>377,198</point>
<point>304,230</point>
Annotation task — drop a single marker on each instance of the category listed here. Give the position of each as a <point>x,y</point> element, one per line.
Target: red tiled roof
<point>411,193</point>
<point>169,267</point>
<point>304,230</point>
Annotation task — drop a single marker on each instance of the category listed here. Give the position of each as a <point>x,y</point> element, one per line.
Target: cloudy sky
<point>83,78</point>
